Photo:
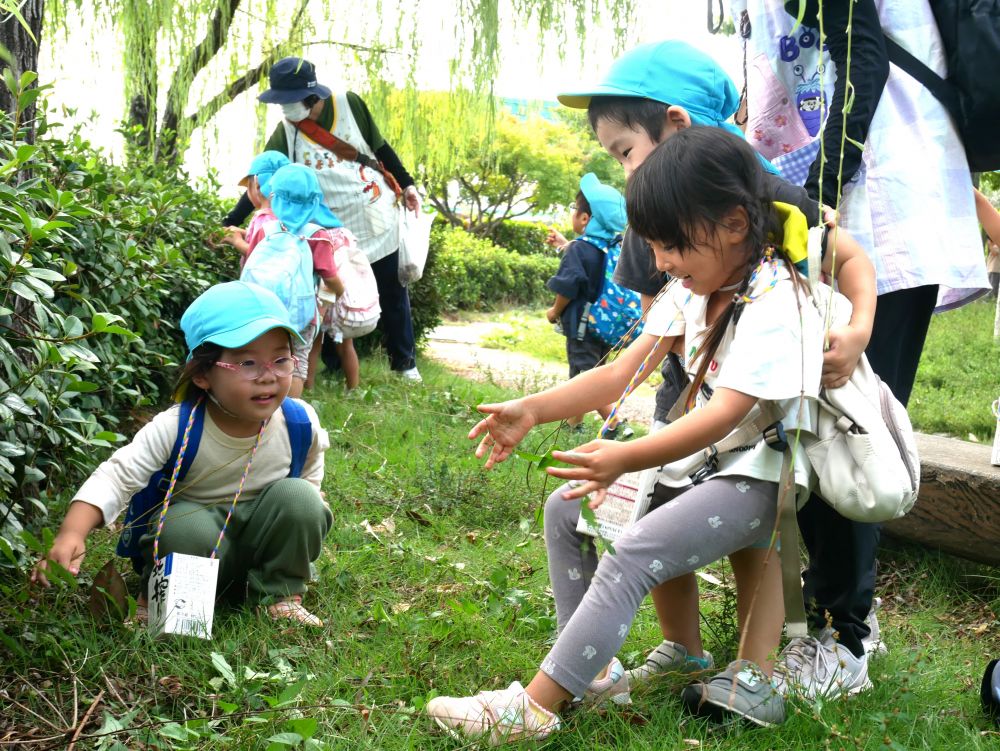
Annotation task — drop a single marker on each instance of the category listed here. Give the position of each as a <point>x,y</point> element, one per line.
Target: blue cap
<point>233,314</point>
<point>296,199</point>
<point>292,79</point>
<point>607,208</point>
<point>263,167</point>
<point>672,72</point>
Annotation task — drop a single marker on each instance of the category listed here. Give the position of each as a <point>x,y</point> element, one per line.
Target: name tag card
<point>182,595</point>
<point>626,502</point>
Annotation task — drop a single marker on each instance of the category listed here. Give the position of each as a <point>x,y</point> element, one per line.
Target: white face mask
<point>295,111</point>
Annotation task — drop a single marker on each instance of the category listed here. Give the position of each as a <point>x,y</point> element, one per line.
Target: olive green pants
<point>268,547</point>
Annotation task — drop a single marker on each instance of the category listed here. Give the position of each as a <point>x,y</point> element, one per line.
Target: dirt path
<point>458,346</point>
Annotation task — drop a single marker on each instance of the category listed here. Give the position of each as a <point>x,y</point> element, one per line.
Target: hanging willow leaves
<point>184,61</point>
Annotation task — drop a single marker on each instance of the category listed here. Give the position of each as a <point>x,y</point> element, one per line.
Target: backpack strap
<point>943,90</point>
<point>344,150</point>
<point>300,434</point>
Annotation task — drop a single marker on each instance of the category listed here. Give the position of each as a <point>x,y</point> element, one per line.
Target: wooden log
<point>958,510</point>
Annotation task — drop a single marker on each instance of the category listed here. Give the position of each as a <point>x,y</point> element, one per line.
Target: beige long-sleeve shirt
<point>214,475</point>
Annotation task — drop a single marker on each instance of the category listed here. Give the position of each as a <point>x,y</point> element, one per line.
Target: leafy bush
<point>97,263</point>
<point>526,238</point>
<point>470,273</point>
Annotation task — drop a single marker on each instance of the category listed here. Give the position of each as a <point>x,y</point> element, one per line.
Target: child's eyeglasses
<point>251,370</point>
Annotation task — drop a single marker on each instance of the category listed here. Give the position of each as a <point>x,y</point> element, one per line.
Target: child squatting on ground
<point>238,373</point>
<point>699,201</point>
<point>649,95</point>
<point>598,217</point>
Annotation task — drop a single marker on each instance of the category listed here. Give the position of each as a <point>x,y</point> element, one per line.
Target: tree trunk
<point>23,51</point>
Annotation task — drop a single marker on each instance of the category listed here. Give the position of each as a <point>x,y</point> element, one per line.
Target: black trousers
<point>840,579</point>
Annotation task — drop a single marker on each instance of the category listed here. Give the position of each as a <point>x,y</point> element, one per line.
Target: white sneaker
<point>411,374</point>
<point>501,717</point>
<point>811,668</point>
<point>613,687</point>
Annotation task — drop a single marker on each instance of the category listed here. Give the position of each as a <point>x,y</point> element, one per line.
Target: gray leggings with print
<point>596,603</point>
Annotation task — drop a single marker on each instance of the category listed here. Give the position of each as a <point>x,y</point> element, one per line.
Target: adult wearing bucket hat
<point>359,190</point>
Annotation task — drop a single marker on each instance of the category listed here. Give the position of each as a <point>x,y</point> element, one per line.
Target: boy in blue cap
<point>598,218</point>
<point>256,182</point>
<point>648,95</point>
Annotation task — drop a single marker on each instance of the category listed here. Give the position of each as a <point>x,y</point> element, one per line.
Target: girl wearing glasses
<point>251,460</point>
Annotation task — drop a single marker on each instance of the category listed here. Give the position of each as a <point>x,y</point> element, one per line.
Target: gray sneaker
<point>668,657</point>
<point>742,690</point>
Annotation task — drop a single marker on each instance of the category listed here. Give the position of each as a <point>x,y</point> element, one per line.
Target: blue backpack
<point>282,262</point>
<point>142,508</point>
<point>617,309</point>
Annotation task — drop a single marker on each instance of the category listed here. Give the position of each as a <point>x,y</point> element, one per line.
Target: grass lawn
<point>434,580</point>
<point>958,379</point>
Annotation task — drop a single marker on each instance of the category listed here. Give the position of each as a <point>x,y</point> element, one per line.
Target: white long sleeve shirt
<point>215,473</point>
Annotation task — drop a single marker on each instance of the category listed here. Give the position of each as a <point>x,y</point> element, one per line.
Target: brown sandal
<point>290,608</point>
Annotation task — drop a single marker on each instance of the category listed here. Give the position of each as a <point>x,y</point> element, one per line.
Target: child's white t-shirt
<point>215,473</point>
<point>774,352</point>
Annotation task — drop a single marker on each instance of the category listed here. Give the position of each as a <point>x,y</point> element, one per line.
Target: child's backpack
<point>356,312</point>
<point>970,33</point>
<point>282,262</point>
<point>612,316</point>
<point>142,508</point>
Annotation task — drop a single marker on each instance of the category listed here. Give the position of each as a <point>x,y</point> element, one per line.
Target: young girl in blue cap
<point>699,201</point>
<point>256,181</point>
<point>650,94</point>
<point>297,201</point>
<point>235,381</point>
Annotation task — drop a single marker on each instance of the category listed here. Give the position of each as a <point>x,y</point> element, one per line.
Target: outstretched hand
<point>596,465</point>
<point>502,429</point>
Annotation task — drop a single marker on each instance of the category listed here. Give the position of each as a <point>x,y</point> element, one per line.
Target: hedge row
<point>97,263</point>
<point>469,273</point>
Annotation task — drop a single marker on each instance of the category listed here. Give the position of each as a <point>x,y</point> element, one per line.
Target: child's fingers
<point>38,575</point>
<point>490,409</point>
<point>570,473</point>
<point>597,497</point>
<point>586,488</point>
<point>580,456</point>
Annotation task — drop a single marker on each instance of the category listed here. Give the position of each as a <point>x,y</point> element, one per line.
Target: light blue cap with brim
<point>607,208</point>
<point>233,314</point>
<point>674,73</point>
<point>297,199</point>
<point>263,166</point>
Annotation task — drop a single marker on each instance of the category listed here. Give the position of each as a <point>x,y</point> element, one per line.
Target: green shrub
<point>97,263</point>
<point>527,238</point>
<point>470,273</point>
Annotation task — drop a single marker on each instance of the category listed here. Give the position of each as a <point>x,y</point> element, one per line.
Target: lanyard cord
<point>173,482</point>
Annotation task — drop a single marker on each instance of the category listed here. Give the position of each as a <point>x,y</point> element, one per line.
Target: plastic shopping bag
<point>414,243</point>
